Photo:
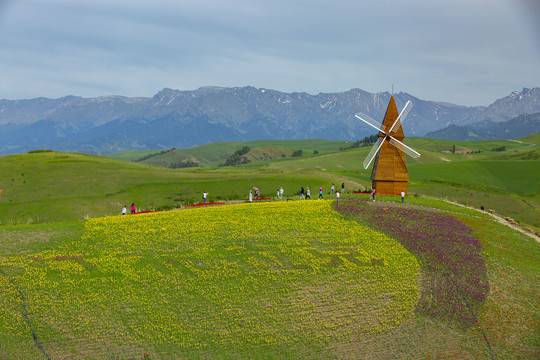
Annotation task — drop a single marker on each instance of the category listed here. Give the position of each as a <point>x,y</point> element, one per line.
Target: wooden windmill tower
<point>389,174</point>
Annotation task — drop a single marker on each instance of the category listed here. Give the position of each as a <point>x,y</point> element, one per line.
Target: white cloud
<point>465,51</point>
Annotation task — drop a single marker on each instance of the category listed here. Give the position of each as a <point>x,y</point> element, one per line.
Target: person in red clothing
<point>133,211</point>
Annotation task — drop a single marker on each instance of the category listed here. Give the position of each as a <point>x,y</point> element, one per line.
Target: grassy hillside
<point>432,150</point>
<point>52,186</point>
<point>509,176</point>
<point>215,153</point>
<point>272,280</point>
<point>55,186</point>
<point>283,279</point>
<point>501,181</point>
<point>506,181</point>
<point>484,146</point>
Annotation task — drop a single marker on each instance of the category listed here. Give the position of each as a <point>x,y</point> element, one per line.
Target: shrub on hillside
<point>184,164</point>
<point>238,157</point>
<point>39,151</point>
<point>367,141</point>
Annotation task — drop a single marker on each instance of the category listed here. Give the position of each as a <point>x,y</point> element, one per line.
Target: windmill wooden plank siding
<point>389,174</point>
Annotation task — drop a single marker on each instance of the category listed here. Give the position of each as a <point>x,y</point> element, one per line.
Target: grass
<point>49,187</point>
<point>47,195</point>
<point>510,334</point>
<point>197,283</point>
<point>242,287</point>
<point>510,176</point>
<point>484,146</point>
<point>215,153</point>
<point>514,272</point>
<point>275,280</point>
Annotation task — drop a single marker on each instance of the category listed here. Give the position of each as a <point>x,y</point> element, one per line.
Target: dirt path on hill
<point>528,145</point>
<point>498,218</point>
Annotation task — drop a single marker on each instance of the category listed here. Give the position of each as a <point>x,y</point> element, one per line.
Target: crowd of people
<point>305,194</point>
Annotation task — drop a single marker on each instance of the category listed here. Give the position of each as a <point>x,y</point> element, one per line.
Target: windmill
<point>389,174</point>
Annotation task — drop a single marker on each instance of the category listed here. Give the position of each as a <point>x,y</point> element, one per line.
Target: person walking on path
<point>124,210</point>
<point>277,194</point>
<point>204,195</point>
<point>342,188</point>
<point>337,197</point>
<point>332,189</point>
<point>250,196</point>
<point>133,211</point>
<point>372,197</point>
<point>308,193</point>
<point>402,197</point>
<point>301,192</point>
<point>281,192</point>
<point>320,193</point>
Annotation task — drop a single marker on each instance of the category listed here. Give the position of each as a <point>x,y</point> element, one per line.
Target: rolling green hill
<point>54,186</point>
<point>215,153</point>
<point>212,155</point>
<point>282,279</point>
<point>276,280</point>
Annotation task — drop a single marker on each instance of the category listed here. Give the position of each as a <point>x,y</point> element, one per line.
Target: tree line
<point>367,141</point>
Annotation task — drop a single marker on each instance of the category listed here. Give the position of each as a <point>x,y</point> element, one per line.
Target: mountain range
<point>517,127</point>
<point>174,118</point>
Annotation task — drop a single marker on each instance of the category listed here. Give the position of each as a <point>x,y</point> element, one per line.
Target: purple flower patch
<point>454,282</point>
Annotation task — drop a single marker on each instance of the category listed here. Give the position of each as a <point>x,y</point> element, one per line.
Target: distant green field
<point>54,186</point>
<point>509,176</point>
<point>432,150</point>
<point>484,146</point>
<point>215,153</point>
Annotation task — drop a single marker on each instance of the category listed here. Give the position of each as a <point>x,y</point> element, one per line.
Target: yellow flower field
<point>266,279</point>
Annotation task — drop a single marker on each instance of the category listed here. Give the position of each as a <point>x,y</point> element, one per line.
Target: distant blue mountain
<point>517,127</point>
<point>174,118</point>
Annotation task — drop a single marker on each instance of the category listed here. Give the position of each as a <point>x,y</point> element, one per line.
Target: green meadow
<point>280,279</point>
<point>214,154</point>
<point>52,186</point>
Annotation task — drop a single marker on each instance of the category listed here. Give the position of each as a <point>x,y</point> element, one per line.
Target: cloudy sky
<point>467,52</point>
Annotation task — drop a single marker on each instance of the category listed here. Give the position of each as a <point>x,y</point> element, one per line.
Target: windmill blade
<point>401,146</point>
<point>373,152</point>
<point>371,122</point>
<point>401,117</point>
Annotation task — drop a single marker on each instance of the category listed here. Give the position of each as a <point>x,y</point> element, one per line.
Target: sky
<point>465,52</point>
